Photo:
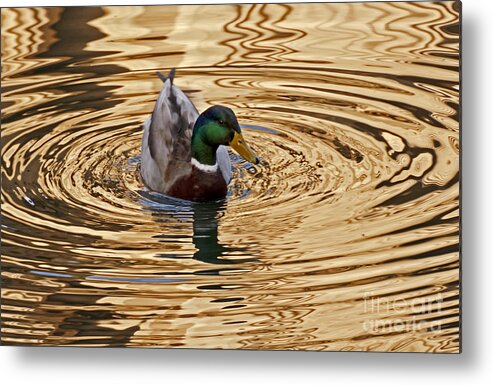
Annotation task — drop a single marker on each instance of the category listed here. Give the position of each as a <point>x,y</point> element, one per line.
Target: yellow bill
<point>239,145</point>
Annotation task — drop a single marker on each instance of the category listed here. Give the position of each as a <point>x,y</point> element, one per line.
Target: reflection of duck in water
<point>205,237</point>
<point>184,153</point>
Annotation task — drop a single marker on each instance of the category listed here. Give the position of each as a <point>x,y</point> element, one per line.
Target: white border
<point>139,366</point>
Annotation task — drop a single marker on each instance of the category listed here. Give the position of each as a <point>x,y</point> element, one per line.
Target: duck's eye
<point>221,121</point>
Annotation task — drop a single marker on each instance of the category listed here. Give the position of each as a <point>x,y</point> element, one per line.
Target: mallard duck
<point>184,154</point>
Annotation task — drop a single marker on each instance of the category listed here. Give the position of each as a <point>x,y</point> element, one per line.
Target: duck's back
<point>166,150</point>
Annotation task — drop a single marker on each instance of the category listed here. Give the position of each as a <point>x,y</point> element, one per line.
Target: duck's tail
<point>170,76</point>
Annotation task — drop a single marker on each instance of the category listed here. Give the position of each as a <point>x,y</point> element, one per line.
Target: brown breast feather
<point>199,186</point>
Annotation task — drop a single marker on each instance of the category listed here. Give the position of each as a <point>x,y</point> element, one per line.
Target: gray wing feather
<point>224,162</point>
<point>171,125</point>
<point>166,144</point>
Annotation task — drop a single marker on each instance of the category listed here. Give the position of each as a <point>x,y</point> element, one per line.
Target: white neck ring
<point>204,167</point>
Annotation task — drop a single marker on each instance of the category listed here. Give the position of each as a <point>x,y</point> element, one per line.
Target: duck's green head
<point>218,126</point>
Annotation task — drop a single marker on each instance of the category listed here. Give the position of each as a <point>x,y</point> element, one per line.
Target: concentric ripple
<point>344,237</point>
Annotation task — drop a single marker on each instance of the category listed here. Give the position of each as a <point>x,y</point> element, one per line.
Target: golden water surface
<point>345,237</point>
